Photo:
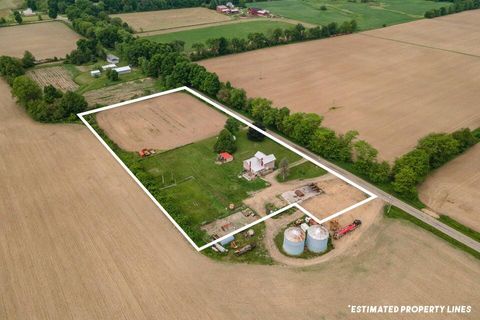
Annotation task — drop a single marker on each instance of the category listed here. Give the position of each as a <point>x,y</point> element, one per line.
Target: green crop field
<point>236,30</point>
<point>370,15</point>
<point>201,189</point>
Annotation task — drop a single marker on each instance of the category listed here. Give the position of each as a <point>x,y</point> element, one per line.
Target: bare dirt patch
<point>178,118</point>
<point>167,19</point>
<point>454,189</point>
<point>80,240</point>
<point>57,76</point>
<point>393,93</point>
<point>119,92</point>
<point>44,40</point>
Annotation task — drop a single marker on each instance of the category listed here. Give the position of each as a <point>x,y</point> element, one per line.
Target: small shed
<point>95,73</point>
<point>28,12</point>
<point>225,157</point>
<point>109,66</point>
<point>112,59</point>
<point>122,70</point>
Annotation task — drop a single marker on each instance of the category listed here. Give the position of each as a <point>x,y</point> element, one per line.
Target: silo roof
<point>318,232</point>
<point>294,234</point>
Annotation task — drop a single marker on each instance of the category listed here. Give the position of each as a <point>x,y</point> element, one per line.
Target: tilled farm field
<point>454,189</point>
<point>458,33</point>
<point>170,19</point>
<point>392,92</point>
<point>163,123</point>
<point>58,76</point>
<point>80,240</point>
<point>44,40</point>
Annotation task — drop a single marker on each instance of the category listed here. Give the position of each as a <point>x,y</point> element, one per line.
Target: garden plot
<point>57,76</point>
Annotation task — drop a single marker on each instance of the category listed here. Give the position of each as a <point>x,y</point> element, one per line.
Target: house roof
<point>256,164</point>
<point>111,56</point>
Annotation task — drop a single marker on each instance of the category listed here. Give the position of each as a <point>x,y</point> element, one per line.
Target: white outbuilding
<point>122,70</point>
<point>95,73</point>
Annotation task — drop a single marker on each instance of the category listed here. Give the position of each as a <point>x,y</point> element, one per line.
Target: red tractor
<point>343,231</point>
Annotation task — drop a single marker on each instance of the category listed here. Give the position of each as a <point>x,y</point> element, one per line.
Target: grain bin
<point>294,241</point>
<point>317,238</point>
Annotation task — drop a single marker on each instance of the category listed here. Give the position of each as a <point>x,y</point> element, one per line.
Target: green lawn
<point>204,189</point>
<point>237,30</point>
<point>370,15</point>
<point>303,171</point>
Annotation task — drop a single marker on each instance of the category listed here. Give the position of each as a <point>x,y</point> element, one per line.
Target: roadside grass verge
<point>460,227</point>
<point>396,213</point>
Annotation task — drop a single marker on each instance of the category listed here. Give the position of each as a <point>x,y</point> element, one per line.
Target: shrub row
<point>222,46</point>
<point>457,6</point>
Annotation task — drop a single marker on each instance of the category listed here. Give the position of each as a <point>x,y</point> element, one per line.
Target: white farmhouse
<point>259,164</point>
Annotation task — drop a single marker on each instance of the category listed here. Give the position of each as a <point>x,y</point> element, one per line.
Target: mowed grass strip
<point>202,189</point>
<point>368,15</point>
<point>236,30</point>
<point>306,170</point>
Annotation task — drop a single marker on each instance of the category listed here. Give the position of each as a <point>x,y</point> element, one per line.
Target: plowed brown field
<point>44,40</point>
<point>169,19</point>
<point>80,240</point>
<point>454,189</point>
<point>392,92</point>
<point>178,119</point>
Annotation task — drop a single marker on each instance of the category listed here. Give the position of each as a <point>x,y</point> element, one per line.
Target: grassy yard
<point>202,189</point>
<point>373,14</point>
<point>237,30</point>
<point>302,171</point>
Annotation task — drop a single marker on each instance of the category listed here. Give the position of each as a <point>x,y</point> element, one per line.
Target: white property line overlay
<point>249,124</point>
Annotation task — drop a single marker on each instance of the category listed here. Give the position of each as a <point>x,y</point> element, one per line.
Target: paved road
<point>382,194</point>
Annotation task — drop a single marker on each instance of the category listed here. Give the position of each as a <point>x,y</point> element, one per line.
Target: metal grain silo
<point>317,238</point>
<point>294,241</point>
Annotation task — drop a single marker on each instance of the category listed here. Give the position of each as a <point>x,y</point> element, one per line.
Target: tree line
<point>455,7</point>
<point>47,105</point>
<point>257,40</point>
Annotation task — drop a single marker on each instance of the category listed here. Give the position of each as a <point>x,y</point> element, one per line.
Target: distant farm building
<point>225,157</point>
<point>123,70</point>
<point>109,66</point>
<point>258,12</point>
<point>95,73</point>
<point>228,9</point>
<point>260,164</point>
<point>112,59</point>
<point>28,12</point>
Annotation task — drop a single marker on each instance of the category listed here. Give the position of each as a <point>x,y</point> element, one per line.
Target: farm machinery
<point>347,229</point>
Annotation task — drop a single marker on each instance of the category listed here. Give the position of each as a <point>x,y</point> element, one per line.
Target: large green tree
<point>225,142</point>
<point>26,90</point>
<point>440,147</point>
